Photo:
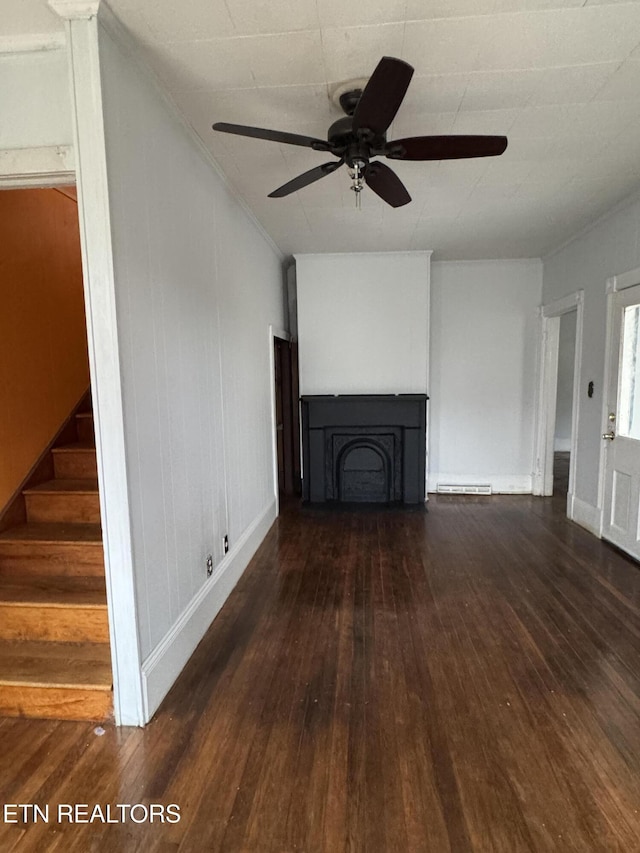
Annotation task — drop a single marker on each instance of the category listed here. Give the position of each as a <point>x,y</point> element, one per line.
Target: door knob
<point>609,435</point>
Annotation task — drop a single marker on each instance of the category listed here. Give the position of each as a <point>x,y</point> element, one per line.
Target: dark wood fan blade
<point>385,183</point>
<point>306,178</point>
<point>445,147</point>
<point>382,95</point>
<point>273,135</point>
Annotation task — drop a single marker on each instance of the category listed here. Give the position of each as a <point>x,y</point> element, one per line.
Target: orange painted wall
<point>44,366</point>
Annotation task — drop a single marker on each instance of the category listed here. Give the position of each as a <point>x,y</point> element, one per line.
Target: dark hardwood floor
<point>466,679</point>
<point>561,461</point>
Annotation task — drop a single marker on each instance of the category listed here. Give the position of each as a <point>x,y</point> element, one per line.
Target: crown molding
<point>617,207</point>
<point>427,252</point>
<point>72,10</point>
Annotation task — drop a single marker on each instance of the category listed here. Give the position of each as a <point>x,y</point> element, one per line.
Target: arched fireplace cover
<point>363,472</point>
<point>364,448</point>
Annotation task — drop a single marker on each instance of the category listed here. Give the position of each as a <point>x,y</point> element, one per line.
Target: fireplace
<point>364,448</point>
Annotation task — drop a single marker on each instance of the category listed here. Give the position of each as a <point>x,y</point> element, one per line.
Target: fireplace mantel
<point>364,448</point>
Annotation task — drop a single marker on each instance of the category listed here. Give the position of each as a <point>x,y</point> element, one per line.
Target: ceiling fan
<point>361,135</point>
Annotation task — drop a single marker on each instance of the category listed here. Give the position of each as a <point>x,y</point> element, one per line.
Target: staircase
<point>54,634</point>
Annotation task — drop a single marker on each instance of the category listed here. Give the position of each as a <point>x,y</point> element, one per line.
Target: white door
<point>621,511</point>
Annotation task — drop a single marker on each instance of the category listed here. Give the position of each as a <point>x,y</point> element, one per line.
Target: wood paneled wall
<point>197,287</point>
<point>43,344</point>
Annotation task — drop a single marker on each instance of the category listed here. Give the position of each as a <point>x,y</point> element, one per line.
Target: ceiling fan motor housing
<point>354,145</point>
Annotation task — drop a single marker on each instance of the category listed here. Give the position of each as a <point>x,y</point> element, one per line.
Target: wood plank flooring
<point>466,679</point>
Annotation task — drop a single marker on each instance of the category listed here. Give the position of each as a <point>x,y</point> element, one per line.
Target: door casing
<point>614,285</point>
<point>550,315</point>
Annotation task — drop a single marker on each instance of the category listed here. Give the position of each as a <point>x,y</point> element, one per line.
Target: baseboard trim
<point>585,514</point>
<point>165,663</point>
<point>507,484</point>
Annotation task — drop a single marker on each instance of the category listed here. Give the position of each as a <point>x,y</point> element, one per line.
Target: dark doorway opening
<point>561,462</point>
<point>287,417</point>
<point>563,429</point>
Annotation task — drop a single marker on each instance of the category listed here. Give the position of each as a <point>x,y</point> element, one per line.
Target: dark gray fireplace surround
<point>364,448</point>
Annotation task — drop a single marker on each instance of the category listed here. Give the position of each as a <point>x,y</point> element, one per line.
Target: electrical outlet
<point>209,566</point>
<point>225,543</point>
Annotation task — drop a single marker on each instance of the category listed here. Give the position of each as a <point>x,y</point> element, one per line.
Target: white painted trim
<point>72,10</point>
<point>273,334</point>
<point>104,363</point>
<point>368,254</point>
<point>24,43</point>
<point>46,166</point>
<point>563,305</point>
<point>501,484</point>
<point>606,378</point>
<point>547,390</point>
<point>623,281</point>
<point>130,47</point>
<point>547,393</point>
<point>585,514</point>
<point>161,668</point>
<point>574,458</point>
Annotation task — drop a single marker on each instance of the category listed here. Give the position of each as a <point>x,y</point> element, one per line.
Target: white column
<point>104,352</point>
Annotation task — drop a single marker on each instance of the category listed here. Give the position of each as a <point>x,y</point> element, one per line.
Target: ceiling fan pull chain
<point>357,186</point>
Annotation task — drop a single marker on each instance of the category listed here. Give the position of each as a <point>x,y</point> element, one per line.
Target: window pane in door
<point>629,389</point>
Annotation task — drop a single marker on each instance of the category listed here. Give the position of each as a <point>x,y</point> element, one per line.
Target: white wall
<point>197,286</point>
<point>363,323</point>
<point>610,247</point>
<point>564,393</point>
<point>36,132</point>
<point>34,99</point>
<point>484,328</point>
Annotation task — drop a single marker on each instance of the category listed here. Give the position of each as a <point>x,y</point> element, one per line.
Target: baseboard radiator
<point>463,489</point>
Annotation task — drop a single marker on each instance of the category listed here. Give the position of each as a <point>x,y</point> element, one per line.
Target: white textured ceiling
<point>560,78</point>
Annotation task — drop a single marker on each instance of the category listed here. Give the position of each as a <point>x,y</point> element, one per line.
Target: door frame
<point>127,688</point>
<point>84,164</point>
<point>614,285</point>
<point>275,332</point>
<point>550,316</point>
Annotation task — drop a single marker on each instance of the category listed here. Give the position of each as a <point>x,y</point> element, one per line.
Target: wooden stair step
<point>64,500</point>
<point>62,664</point>
<point>75,461</point>
<point>82,485</point>
<point>55,680</point>
<point>55,591</point>
<point>84,426</point>
<point>64,609</point>
<point>55,659</point>
<point>57,549</point>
